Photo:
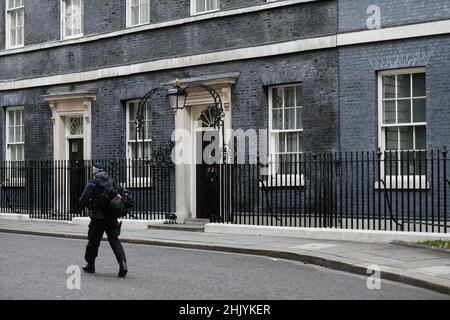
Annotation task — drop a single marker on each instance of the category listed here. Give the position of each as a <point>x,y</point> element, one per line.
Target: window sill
<point>283,181</point>
<point>403,183</point>
<point>131,26</point>
<point>71,37</point>
<point>14,47</point>
<point>203,12</point>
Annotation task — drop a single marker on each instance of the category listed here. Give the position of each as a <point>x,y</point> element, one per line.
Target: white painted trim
<point>302,45</point>
<point>174,63</point>
<point>207,16</point>
<point>369,236</point>
<point>62,23</point>
<point>7,121</point>
<point>8,27</point>
<point>381,128</point>
<point>344,39</point>
<point>394,33</point>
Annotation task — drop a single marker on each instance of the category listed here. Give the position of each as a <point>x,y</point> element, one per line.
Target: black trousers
<point>95,234</point>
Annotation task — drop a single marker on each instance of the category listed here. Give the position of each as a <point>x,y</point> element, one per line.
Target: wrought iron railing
<point>350,190</point>
<point>51,189</point>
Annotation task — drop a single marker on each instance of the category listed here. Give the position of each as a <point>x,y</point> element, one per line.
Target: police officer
<point>101,221</point>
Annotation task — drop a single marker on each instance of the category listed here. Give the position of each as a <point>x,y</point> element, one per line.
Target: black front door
<point>208,187</point>
<point>77,179</point>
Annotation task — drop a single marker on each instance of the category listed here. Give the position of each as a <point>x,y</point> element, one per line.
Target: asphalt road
<point>33,267</point>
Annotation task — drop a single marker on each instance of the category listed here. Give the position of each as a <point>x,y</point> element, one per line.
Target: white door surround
<point>198,100</point>
<point>66,106</point>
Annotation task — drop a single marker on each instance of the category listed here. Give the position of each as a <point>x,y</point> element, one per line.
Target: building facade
<point>317,75</point>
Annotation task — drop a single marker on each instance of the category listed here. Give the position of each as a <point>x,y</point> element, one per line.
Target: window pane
<point>134,15</point>
<point>419,106</point>
<point>12,37</point>
<point>404,86</point>
<point>11,134</point>
<point>289,97</point>
<point>200,5</point>
<point>299,118</point>
<point>18,117</point>
<point>391,138</point>
<point>300,142</point>
<point>404,111</point>
<point>68,26</point>
<point>13,152</point>
<point>11,114</point>
<point>18,134</point>
<point>144,13</point>
<point>389,112</point>
<point>299,98</point>
<point>10,4</point>
<point>421,137</point>
<point>388,87</point>
<point>20,18</point>
<point>280,145</point>
<point>391,163</point>
<point>277,98</point>
<point>211,5</point>
<point>20,155</point>
<point>289,118</point>
<point>292,143</point>
<point>19,36</point>
<point>148,129</point>
<point>419,85</point>
<point>406,138</point>
<point>277,119</point>
<point>421,164</point>
<point>132,107</point>
<point>132,132</point>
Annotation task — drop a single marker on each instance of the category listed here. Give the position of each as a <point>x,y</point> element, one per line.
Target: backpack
<point>117,201</point>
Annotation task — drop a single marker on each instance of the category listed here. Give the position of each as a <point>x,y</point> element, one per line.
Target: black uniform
<point>101,220</point>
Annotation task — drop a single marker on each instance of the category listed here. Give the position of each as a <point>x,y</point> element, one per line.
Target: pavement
<point>428,269</point>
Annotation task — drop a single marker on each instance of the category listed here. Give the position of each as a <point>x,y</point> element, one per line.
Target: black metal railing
<point>402,191</point>
<point>51,189</point>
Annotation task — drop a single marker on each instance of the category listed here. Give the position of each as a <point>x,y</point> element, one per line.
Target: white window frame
<point>63,21</point>
<point>14,181</point>
<point>194,9</point>
<point>8,12</point>
<point>281,180</point>
<point>402,181</point>
<point>136,182</point>
<point>128,13</point>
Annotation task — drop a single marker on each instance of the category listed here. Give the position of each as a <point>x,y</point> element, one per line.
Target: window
<point>14,134</point>
<point>137,142</point>
<point>138,12</point>
<point>15,16</point>
<point>203,6</point>
<point>403,121</point>
<point>71,18</point>
<point>285,129</point>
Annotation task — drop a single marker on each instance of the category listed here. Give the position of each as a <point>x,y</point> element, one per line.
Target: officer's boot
<point>89,268</point>
<point>122,269</point>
